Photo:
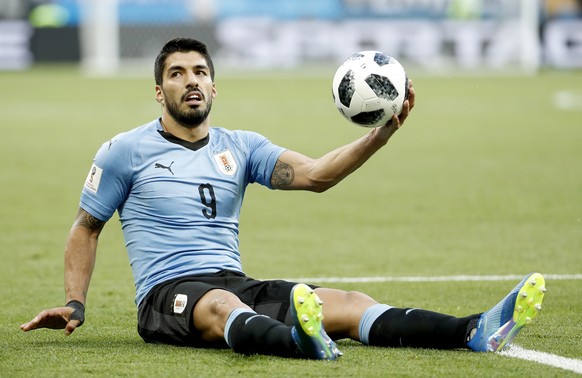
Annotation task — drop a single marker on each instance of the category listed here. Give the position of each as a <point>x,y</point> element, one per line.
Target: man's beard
<point>190,117</point>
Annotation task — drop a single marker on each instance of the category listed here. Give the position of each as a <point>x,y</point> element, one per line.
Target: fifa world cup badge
<point>93,178</point>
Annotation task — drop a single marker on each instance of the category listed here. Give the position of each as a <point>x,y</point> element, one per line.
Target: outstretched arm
<point>80,255</point>
<point>295,171</point>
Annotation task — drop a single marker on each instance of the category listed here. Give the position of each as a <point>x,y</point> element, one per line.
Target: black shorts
<point>165,315</point>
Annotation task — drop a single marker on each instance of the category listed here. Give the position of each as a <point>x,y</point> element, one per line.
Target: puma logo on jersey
<point>169,167</point>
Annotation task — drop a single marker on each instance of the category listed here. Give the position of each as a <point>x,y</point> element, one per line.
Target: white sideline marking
<point>544,358</point>
<point>511,277</point>
<point>553,360</point>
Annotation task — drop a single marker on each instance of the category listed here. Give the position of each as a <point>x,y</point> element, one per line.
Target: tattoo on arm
<point>283,175</point>
<point>86,220</point>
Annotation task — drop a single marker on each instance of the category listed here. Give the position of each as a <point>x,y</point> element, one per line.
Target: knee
<point>221,304</point>
<point>359,300</point>
<point>212,311</point>
<point>218,304</point>
<point>343,301</point>
<point>343,310</point>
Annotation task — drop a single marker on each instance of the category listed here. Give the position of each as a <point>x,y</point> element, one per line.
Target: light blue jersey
<point>178,202</point>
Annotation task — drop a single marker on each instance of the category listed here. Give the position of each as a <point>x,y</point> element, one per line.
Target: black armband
<point>79,311</point>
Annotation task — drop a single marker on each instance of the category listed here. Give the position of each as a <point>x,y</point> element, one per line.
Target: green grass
<point>485,178</point>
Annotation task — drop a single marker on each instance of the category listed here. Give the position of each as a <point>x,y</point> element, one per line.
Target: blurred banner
<point>14,45</point>
<point>434,35</point>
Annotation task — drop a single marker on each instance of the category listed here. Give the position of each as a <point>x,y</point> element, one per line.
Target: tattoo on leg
<point>283,174</point>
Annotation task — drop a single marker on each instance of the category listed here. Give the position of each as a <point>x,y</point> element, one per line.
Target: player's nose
<point>192,80</point>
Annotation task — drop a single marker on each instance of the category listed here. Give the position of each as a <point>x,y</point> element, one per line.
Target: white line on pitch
<point>545,358</point>
<point>511,277</point>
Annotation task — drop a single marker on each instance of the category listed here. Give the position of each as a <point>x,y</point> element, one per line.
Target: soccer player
<point>178,184</point>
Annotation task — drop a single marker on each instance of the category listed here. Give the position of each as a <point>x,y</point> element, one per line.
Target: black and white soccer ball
<point>369,88</point>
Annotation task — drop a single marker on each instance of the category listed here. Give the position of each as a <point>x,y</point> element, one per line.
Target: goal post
<point>530,52</point>
<point>99,34</point>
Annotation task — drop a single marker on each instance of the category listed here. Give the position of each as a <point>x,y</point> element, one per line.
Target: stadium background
<point>481,186</point>
<point>431,34</point>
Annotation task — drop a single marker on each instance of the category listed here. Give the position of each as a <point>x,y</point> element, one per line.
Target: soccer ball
<point>369,88</point>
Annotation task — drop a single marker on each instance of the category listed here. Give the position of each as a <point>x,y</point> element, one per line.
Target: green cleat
<point>497,327</point>
<point>307,331</point>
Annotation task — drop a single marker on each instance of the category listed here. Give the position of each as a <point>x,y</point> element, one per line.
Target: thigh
<point>165,315</point>
<point>342,311</point>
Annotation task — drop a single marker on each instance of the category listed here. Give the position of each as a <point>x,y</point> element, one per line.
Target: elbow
<point>319,189</point>
<point>320,186</point>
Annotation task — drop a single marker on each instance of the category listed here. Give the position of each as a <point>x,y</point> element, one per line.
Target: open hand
<point>54,318</point>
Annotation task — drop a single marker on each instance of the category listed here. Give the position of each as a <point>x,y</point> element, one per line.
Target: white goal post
<point>530,52</point>
<point>99,36</point>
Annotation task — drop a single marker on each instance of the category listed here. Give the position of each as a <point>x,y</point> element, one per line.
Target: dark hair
<point>180,45</point>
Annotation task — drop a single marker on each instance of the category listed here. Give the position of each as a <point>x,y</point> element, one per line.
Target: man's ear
<point>159,94</point>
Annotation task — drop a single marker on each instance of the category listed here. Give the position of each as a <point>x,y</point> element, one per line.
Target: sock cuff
<point>368,318</point>
<point>231,318</point>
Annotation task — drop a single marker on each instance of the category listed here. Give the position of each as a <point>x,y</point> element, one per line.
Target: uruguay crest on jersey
<point>226,163</point>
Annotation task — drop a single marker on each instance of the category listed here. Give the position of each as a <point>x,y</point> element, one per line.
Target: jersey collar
<point>194,146</point>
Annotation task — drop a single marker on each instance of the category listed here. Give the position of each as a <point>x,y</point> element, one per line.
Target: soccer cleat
<point>497,327</point>
<point>307,331</point>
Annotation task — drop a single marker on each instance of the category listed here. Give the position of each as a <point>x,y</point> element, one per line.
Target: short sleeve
<point>263,155</point>
<point>109,179</point>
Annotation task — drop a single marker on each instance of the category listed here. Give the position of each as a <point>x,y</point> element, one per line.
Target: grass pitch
<point>484,179</point>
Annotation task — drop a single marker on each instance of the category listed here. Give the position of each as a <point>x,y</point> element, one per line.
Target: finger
<point>71,327</point>
<point>406,108</point>
<point>411,97</point>
<point>405,111</point>
<point>33,324</point>
<point>395,122</point>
